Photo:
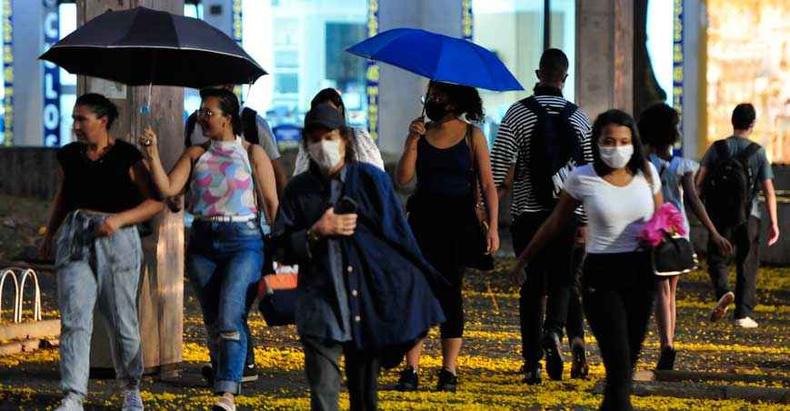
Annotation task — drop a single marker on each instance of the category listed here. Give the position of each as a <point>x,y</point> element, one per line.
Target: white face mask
<point>616,157</point>
<point>325,153</point>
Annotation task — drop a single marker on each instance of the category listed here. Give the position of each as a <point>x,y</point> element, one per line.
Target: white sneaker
<point>71,402</point>
<point>224,404</point>
<point>132,400</point>
<point>746,322</point>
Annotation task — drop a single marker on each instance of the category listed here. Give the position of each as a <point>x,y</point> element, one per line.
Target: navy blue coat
<point>392,302</point>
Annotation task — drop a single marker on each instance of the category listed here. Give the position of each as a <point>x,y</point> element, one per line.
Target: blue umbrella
<point>439,58</point>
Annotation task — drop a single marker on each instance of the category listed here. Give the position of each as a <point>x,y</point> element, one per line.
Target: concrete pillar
<point>694,79</point>
<point>161,302</point>
<point>400,90</point>
<point>604,55</point>
<point>28,71</point>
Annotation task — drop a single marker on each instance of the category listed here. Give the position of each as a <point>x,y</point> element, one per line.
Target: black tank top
<point>102,185</point>
<point>444,171</point>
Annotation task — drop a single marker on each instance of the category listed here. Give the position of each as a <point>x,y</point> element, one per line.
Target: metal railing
<point>19,292</point>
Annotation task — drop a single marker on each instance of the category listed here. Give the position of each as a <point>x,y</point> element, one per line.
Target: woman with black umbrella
<point>230,183</point>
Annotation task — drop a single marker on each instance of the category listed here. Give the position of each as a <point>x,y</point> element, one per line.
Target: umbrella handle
<point>146,108</point>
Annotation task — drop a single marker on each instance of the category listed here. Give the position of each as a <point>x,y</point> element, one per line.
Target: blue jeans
<point>103,270</point>
<point>224,262</point>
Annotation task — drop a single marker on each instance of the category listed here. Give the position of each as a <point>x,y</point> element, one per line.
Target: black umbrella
<point>141,46</point>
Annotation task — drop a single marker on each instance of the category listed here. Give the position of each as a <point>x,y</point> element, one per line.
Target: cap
<point>324,115</point>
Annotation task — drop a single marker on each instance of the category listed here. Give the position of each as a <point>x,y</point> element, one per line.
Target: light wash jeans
<point>224,262</point>
<point>103,270</point>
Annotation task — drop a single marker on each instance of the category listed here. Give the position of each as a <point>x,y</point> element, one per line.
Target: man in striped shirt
<point>535,186</point>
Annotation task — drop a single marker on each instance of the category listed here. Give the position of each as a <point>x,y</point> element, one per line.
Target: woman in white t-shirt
<point>658,127</point>
<point>620,192</point>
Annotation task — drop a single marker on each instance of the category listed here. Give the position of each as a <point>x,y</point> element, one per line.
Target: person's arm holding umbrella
<point>171,184</point>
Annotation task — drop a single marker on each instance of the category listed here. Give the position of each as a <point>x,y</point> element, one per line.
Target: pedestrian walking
<point>365,149</point>
<point>733,170</point>
<point>254,128</point>
<point>620,191</point>
<point>448,156</point>
<point>230,182</point>
<point>541,139</point>
<point>364,287</point>
<point>658,127</point>
<point>104,193</point>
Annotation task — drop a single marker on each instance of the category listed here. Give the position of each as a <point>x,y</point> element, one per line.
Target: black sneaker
<point>208,374</point>
<point>447,381</point>
<point>408,381</point>
<point>250,373</point>
<point>551,347</point>
<point>666,361</point>
<point>579,367</point>
<point>531,374</point>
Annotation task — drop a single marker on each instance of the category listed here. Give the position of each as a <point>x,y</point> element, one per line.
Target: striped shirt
<point>512,144</point>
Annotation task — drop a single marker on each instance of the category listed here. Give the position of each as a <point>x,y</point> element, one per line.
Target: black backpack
<point>552,147</point>
<point>249,127</point>
<point>729,188</point>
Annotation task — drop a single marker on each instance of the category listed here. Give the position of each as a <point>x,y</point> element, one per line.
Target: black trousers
<point>549,274</point>
<point>618,293</point>
<point>323,375</point>
<point>746,239</point>
<point>574,323</point>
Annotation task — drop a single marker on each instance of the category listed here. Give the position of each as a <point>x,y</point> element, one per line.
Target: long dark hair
<point>99,105</point>
<point>619,118</point>
<point>464,99</point>
<point>228,103</point>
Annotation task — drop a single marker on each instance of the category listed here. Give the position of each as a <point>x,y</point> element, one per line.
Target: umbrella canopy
<point>141,46</point>
<point>438,57</point>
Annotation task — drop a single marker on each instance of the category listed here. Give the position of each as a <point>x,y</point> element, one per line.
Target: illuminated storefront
<point>748,60</point>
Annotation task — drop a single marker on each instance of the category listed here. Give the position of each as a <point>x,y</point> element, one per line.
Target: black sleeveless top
<point>102,185</point>
<point>444,171</point>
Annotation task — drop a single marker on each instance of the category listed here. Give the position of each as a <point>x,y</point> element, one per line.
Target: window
<point>509,28</point>
<point>286,83</point>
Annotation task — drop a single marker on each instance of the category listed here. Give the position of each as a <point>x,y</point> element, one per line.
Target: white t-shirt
<point>265,135</point>
<point>615,215</point>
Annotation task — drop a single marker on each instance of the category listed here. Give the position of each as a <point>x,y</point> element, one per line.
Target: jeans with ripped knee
<point>224,262</point>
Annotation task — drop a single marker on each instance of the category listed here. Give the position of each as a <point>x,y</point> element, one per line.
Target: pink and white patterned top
<point>222,182</point>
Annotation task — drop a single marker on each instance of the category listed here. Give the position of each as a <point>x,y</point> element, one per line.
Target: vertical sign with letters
<point>677,59</point>
<point>8,72</point>
<point>51,83</point>
<point>238,35</point>
<point>373,73</point>
<point>467,24</point>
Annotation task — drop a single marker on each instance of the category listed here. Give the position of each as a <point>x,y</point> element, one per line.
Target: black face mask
<point>435,110</point>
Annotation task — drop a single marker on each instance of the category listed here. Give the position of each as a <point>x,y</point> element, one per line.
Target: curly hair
<point>464,99</point>
<point>658,126</point>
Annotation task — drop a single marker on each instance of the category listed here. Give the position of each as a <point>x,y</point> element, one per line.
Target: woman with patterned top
<point>230,183</point>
